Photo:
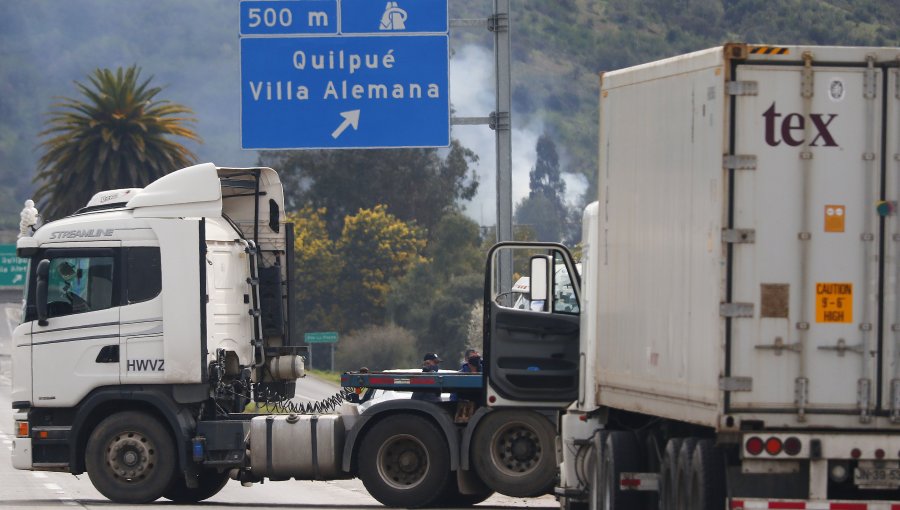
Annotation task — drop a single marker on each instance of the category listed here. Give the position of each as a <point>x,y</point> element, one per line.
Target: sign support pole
<point>500,122</point>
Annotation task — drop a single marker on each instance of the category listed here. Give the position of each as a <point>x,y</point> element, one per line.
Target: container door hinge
<point>739,236</point>
<point>742,88</point>
<point>869,79</point>
<point>895,400</point>
<point>736,383</point>
<point>739,162</point>
<point>736,309</point>
<point>801,395</point>
<point>863,392</point>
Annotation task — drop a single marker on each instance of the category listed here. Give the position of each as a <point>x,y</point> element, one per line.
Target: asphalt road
<point>40,490</point>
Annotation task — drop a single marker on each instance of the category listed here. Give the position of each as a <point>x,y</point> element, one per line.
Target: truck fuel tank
<point>305,447</point>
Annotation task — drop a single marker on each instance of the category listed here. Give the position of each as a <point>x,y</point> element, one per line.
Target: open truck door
<point>531,351</point>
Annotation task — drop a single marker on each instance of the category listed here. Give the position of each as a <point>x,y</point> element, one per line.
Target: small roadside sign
<point>12,268</point>
<point>321,337</point>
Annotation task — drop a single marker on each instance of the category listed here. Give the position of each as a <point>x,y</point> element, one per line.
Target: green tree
<point>544,209</point>
<point>435,299</point>
<point>376,248</point>
<point>316,269</point>
<point>416,184</point>
<point>119,135</point>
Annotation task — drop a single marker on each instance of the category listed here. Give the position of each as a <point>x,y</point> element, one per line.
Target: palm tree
<point>119,137</point>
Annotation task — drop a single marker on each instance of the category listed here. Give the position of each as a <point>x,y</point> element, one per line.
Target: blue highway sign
<point>345,92</point>
<point>386,17</point>
<point>289,17</point>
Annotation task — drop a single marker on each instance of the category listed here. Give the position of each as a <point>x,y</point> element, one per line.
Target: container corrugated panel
<point>741,194</point>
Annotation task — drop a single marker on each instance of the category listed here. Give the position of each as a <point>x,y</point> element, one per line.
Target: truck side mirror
<point>540,280</point>
<point>40,292</point>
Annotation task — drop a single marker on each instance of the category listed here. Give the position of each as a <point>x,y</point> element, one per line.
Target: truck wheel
<point>514,453</point>
<point>404,461</point>
<point>621,454</point>
<point>131,458</point>
<point>707,487</point>
<point>683,474</point>
<point>667,471</point>
<point>209,483</point>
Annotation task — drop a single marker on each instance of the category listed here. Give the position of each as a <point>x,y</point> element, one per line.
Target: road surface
<point>39,490</point>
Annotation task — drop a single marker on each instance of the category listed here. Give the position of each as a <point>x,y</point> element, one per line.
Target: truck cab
<point>161,300</point>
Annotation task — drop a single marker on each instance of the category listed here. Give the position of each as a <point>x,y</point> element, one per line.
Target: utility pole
<point>500,121</point>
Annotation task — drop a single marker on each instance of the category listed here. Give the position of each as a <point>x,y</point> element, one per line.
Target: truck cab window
<point>144,276</point>
<point>79,285</point>
<point>564,298</point>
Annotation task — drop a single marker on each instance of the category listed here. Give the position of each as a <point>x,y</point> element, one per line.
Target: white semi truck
<point>153,316</point>
<point>740,301</point>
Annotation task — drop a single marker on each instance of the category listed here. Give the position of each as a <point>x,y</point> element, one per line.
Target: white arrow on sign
<point>351,118</point>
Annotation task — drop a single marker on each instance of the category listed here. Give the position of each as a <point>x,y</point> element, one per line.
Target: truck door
<point>804,300</point>
<point>531,348</point>
<point>77,349</point>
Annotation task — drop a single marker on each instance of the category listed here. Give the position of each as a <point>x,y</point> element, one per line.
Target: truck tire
<point>621,454</point>
<point>514,453</point>
<point>667,470</point>
<point>131,458</point>
<point>404,461</point>
<point>683,474</point>
<point>707,482</point>
<point>209,483</point>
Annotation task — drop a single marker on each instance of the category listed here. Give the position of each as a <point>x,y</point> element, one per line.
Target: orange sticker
<point>834,218</point>
<point>834,302</point>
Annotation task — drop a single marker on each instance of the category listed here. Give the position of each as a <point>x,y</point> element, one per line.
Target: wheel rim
<point>402,461</point>
<point>130,456</point>
<point>516,449</point>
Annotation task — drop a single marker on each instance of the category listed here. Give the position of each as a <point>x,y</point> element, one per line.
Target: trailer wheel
<point>131,458</point>
<point>404,461</point>
<point>683,474</point>
<point>667,472</point>
<point>707,482</point>
<point>621,454</point>
<point>209,483</point>
<point>515,453</point>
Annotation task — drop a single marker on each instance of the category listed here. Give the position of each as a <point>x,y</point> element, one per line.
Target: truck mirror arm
<point>40,295</point>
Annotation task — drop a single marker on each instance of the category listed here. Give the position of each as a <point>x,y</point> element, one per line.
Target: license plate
<point>880,477</point>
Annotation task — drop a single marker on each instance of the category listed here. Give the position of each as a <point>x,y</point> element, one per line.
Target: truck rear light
<point>21,429</point>
<point>773,446</point>
<point>856,453</point>
<point>879,454</point>
<point>754,445</point>
<point>792,446</point>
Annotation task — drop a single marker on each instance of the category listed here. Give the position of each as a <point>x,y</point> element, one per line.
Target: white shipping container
<point>748,238</point>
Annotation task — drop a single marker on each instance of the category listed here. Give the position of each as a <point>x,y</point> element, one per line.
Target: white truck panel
<point>891,323</point>
<point>179,244</point>
<point>660,207</point>
<point>787,318</point>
